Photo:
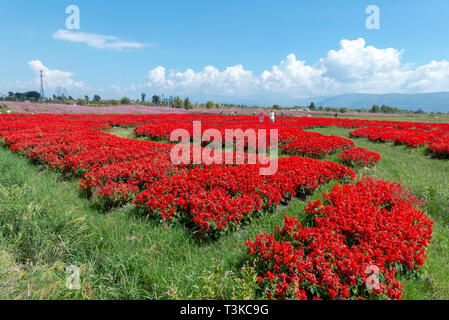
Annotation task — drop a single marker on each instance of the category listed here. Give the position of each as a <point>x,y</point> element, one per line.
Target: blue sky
<point>230,51</point>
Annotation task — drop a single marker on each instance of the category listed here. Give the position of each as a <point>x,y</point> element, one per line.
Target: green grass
<point>124,132</point>
<point>45,226</point>
<point>128,132</point>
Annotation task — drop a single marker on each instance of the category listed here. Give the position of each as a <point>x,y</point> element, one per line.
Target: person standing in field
<point>262,115</point>
<point>272,116</point>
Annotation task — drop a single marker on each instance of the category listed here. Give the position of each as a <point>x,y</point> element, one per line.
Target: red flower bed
<point>372,225</point>
<point>217,199</point>
<point>358,157</point>
<point>292,139</point>
<point>315,145</point>
<point>412,137</point>
<point>440,147</point>
<point>295,141</point>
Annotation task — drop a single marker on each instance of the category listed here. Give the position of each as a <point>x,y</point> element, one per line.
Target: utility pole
<point>42,85</point>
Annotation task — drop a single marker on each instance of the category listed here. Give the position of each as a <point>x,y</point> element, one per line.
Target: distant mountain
<point>429,102</point>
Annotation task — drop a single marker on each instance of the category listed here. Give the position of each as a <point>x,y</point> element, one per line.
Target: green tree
<point>312,106</point>
<point>419,111</point>
<point>32,95</point>
<point>187,104</point>
<point>97,98</point>
<point>81,102</point>
<point>209,104</point>
<point>375,109</point>
<point>276,107</point>
<point>125,100</point>
<point>143,97</point>
<point>177,103</point>
<point>156,99</point>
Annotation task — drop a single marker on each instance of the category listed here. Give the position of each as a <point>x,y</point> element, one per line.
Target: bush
<point>177,103</point>
<point>125,100</point>
<point>209,105</point>
<point>187,104</point>
<point>359,229</point>
<point>4,108</point>
<point>359,157</point>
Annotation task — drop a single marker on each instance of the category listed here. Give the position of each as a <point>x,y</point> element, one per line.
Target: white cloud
<point>293,76</point>
<point>231,81</point>
<point>98,41</point>
<point>52,77</point>
<point>118,91</point>
<point>354,61</point>
<point>157,77</point>
<point>430,77</point>
<point>353,68</point>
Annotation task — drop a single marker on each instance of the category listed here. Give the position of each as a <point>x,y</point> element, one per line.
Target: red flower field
<point>358,227</point>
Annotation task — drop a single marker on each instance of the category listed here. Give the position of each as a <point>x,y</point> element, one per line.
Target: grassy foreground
<point>45,226</point>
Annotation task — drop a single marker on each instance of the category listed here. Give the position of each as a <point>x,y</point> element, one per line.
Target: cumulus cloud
<point>231,81</point>
<point>355,61</point>
<point>53,80</point>
<point>98,41</point>
<point>293,76</point>
<point>430,77</point>
<point>353,68</point>
<point>53,77</point>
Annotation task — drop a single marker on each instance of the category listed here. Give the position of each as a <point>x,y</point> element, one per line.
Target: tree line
<point>61,96</point>
<point>374,109</point>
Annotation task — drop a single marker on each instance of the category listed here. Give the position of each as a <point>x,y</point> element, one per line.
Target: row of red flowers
<point>440,147</point>
<point>354,246</point>
<point>358,157</point>
<point>218,199</point>
<point>412,137</point>
<point>292,139</point>
<point>295,141</point>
